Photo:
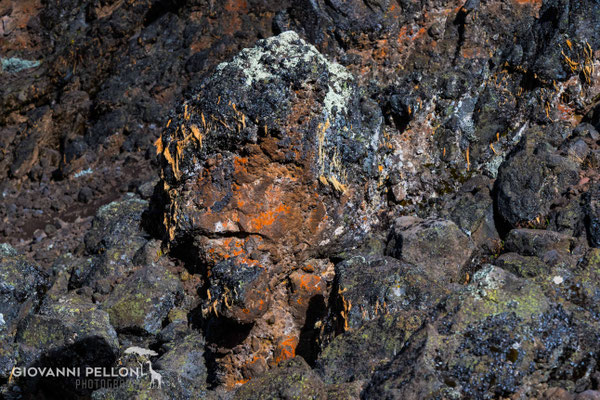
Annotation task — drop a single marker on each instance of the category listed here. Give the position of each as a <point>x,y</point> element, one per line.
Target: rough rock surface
<point>499,337</point>
<point>438,247</point>
<point>262,169</point>
<point>324,199</point>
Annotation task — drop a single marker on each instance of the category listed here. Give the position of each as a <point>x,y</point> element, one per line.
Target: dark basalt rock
<point>472,210</point>
<point>496,338</point>
<point>538,242</point>
<point>22,286</point>
<point>438,247</point>
<point>293,379</point>
<point>531,180</point>
<point>70,332</point>
<point>336,199</point>
<point>262,170</point>
<point>372,285</point>
<point>112,243</point>
<point>142,302</point>
<point>593,215</point>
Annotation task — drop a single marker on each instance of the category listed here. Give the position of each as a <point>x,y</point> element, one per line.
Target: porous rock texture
<point>315,199</point>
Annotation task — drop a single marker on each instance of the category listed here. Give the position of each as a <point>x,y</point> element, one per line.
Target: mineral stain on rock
<point>301,199</point>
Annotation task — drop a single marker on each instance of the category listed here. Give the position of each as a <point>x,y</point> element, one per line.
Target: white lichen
<point>282,54</point>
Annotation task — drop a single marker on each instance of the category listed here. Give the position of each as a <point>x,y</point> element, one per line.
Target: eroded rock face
<point>472,123</point>
<point>531,180</point>
<point>500,337</point>
<point>269,166</point>
<point>438,247</point>
<point>22,285</point>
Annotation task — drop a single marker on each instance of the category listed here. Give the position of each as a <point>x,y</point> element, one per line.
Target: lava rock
<point>22,285</point>
<point>531,180</point>
<point>488,341</point>
<point>372,285</point>
<point>538,242</point>
<point>70,332</point>
<point>265,167</point>
<point>113,240</point>
<point>438,247</point>
<point>142,302</point>
<point>240,291</point>
<point>522,266</point>
<point>472,210</point>
<point>292,379</point>
<point>184,363</point>
<point>356,354</point>
<point>593,215</point>
<point>114,223</point>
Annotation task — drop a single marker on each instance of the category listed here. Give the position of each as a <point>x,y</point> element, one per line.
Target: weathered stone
<point>522,266</point>
<point>184,363</point>
<point>292,379</point>
<point>265,169</point>
<point>22,285</point>
<point>70,332</point>
<point>114,238</point>
<point>472,210</point>
<point>65,322</point>
<point>369,286</point>
<point>538,242</point>
<point>438,247</point>
<point>589,395</point>
<point>142,302</point>
<point>356,354</point>
<point>531,179</point>
<point>593,215</point>
<point>243,289</point>
<point>499,336</point>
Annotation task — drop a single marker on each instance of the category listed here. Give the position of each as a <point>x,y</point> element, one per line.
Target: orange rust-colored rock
<point>261,179</point>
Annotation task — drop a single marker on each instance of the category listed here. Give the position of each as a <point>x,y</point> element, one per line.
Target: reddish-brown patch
<point>286,349</point>
<point>535,5</point>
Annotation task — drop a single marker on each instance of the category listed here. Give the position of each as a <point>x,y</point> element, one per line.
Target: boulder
<point>113,240</point>
<point>292,379</point>
<point>22,286</point>
<point>438,247</point>
<point>531,179</point>
<point>142,302</point>
<point>265,169</point>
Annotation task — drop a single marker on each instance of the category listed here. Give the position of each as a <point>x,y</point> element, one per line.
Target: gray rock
<point>531,180</point>
<point>593,215</point>
<point>488,341</point>
<point>142,302</point>
<point>22,285</point>
<point>70,332</point>
<point>538,242</point>
<point>438,247</point>
<point>290,380</point>
<point>184,362</point>
<point>113,240</point>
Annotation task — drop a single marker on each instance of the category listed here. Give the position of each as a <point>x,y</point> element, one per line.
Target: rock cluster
<point>333,199</point>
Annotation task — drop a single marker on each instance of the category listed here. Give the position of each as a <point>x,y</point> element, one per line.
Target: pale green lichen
<point>6,250</point>
<point>490,294</point>
<point>14,65</point>
<point>290,51</point>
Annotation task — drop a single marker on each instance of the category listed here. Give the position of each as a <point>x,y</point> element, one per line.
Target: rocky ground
<point>314,199</point>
